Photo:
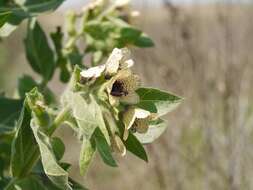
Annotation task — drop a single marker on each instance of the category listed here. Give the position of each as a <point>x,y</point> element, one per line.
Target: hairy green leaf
<point>38,52</point>
<point>103,148</point>
<point>52,169</point>
<point>24,146</point>
<point>87,114</point>
<point>157,101</point>
<point>87,151</point>
<point>133,145</point>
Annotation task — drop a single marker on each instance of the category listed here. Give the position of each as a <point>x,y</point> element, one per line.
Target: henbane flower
<point>121,88</point>
<point>93,72</point>
<point>118,60</point>
<point>136,120</point>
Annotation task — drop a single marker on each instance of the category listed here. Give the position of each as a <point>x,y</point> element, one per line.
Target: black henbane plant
<point>104,102</point>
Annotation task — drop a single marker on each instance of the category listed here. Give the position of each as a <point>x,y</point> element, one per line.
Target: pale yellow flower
<point>137,120</point>
<point>121,88</point>
<point>93,72</point>
<point>118,60</point>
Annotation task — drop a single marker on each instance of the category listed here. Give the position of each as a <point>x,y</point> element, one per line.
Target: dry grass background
<point>203,53</point>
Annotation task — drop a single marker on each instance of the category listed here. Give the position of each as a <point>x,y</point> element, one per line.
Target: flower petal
<point>127,64</point>
<point>93,72</point>
<point>141,113</point>
<point>112,64</point>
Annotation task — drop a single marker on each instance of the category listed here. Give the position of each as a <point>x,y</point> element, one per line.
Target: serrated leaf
<point>51,168</point>
<point>9,113</point>
<point>38,52</point>
<point>87,151</point>
<point>58,147</point>
<point>103,148</point>
<point>156,129</point>
<point>134,146</point>
<point>157,101</point>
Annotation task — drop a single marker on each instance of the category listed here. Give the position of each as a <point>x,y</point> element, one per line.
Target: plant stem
<point>60,118</point>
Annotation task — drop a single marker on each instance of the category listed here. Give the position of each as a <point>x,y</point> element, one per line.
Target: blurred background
<point>204,53</point>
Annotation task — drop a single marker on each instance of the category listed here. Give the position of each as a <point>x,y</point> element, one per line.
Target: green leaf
<point>9,113</point>
<point>33,7</point>
<point>27,83</point>
<point>23,9</point>
<point>24,146</point>
<point>134,146</point>
<point>58,147</point>
<point>4,18</point>
<point>5,147</point>
<point>75,57</point>
<point>157,101</point>
<point>103,148</point>
<point>156,129</point>
<point>87,114</point>
<point>87,151</point>
<point>38,52</point>
<point>99,30</point>
<point>144,41</point>
<point>61,62</point>
<point>28,183</point>
<point>76,186</point>
<point>128,35</point>
<point>52,169</point>
<point>14,19</point>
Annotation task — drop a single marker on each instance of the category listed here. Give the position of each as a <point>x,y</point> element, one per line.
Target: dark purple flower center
<point>118,89</point>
